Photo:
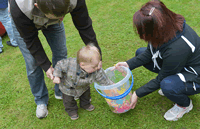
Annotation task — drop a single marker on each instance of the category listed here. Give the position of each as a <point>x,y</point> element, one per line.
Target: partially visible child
<point>74,76</point>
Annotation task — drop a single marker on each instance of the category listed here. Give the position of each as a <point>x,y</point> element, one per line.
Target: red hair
<point>160,26</point>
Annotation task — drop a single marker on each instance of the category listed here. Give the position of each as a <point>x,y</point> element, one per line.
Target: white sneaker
<point>41,111</point>
<point>160,92</point>
<point>58,97</point>
<point>177,112</point>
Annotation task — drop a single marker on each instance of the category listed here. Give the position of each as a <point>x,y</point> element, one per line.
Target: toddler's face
<point>91,67</point>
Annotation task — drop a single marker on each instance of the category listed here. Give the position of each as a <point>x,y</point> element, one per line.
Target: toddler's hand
<point>56,80</point>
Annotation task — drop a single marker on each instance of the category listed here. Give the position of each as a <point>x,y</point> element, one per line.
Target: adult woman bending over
<point>173,52</point>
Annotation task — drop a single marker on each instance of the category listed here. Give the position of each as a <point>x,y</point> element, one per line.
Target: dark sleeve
<point>174,61</point>
<point>83,23</point>
<point>140,60</point>
<point>29,33</point>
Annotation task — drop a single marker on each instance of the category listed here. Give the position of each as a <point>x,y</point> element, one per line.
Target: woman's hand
<point>117,66</point>
<point>134,99</point>
<point>121,64</point>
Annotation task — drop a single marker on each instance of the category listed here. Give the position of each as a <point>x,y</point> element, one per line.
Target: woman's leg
<point>174,89</point>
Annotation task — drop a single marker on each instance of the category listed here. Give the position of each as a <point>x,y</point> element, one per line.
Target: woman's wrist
<point>134,93</point>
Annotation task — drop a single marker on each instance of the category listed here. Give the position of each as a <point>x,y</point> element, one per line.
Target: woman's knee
<point>168,84</point>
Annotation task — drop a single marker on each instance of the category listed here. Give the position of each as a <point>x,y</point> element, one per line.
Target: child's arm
<point>58,70</point>
<point>102,78</point>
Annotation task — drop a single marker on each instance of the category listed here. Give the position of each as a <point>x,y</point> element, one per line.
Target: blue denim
<point>174,89</point>
<point>172,86</point>
<point>6,21</point>
<point>3,3</point>
<point>55,35</point>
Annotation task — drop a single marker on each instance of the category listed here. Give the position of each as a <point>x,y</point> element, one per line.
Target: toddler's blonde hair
<point>88,53</point>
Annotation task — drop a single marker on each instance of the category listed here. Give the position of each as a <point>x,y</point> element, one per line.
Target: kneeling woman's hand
<point>134,99</point>
<point>121,64</point>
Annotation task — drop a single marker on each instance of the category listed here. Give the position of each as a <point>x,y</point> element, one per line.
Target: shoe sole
<point>57,97</point>
<point>175,119</point>
<point>42,117</point>
<point>90,109</point>
<point>74,118</point>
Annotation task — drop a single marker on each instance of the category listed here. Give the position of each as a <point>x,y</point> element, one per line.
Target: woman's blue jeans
<point>55,36</point>
<point>172,86</point>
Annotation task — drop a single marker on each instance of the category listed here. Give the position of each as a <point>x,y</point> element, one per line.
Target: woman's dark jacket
<point>179,55</point>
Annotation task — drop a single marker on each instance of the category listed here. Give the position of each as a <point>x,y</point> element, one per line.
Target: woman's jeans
<point>55,36</point>
<point>172,86</point>
<point>6,21</point>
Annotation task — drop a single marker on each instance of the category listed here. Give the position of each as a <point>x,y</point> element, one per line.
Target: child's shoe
<point>74,117</point>
<point>58,97</point>
<point>90,108</point>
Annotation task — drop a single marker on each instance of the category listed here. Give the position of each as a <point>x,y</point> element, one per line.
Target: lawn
<point>112,22</point>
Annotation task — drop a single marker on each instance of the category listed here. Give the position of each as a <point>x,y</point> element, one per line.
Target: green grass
<point>112,22</point>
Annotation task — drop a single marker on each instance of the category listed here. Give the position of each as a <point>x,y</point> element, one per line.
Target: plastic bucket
<point>117,95</point>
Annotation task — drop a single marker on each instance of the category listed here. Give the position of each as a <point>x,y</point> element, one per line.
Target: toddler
<point>74,76</point>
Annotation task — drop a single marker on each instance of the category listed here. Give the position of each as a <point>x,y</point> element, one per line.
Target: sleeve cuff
<point>139,93</point>
<point>46,66</point>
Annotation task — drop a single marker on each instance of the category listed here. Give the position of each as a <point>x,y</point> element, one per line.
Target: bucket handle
<point>119,96</point>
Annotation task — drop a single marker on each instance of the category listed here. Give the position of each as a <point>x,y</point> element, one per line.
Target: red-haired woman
<point>173,52</point>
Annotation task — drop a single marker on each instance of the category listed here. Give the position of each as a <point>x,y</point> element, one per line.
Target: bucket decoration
<point>118,94</point>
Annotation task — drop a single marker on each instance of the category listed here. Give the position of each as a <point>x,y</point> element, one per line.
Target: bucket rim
<point>119,96</point>
<point>116,84</point>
